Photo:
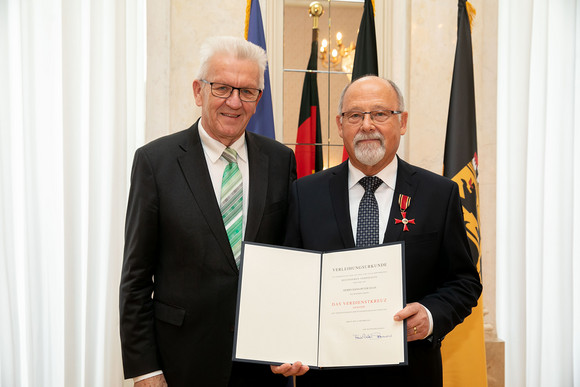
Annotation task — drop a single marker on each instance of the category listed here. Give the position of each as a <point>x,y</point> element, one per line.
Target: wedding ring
<point>415,330</point>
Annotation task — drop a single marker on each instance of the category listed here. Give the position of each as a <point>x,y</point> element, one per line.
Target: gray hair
<point>400,99</point>
<point>239,48</point>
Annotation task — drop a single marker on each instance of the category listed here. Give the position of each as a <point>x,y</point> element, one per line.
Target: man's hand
<point>417,321</point>
<point>154,381</point>
<point>295,369</point>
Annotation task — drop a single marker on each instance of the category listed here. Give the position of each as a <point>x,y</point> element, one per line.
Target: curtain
<point>538,196</point>
<point>72,80</point>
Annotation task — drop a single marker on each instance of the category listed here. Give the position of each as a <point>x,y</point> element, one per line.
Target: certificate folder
<point>332,309</point>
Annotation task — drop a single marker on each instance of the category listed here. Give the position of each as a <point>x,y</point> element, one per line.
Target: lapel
<point>258,163</point>
<point>338,185</point>
<point>405,185</point>
<point>194,167</point>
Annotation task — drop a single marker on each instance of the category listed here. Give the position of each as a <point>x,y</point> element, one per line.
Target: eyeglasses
<point>221,90</point>
<point>377,116</point>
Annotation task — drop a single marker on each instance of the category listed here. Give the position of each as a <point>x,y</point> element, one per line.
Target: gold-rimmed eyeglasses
<point>377,116</point>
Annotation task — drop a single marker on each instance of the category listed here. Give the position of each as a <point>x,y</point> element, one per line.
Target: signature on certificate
<point>371,336</point>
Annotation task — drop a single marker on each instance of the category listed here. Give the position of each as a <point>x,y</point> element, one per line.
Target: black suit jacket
<point>439,270</point>
<point>179,278</point>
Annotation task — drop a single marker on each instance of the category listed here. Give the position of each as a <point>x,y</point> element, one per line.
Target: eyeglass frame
<point>371,113</point>
<point>239,89</point>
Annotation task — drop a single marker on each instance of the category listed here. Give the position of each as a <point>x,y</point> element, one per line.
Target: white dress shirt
<point>216,165</point>
<point>383,194</point>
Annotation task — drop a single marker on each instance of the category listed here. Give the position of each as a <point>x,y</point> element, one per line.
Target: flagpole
<point>315,10</point>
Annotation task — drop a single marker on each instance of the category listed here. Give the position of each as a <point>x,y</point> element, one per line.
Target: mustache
<point>362,136</point>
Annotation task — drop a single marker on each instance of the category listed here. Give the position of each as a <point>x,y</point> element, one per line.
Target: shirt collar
<point>214,149</point>
<point>388,174</point>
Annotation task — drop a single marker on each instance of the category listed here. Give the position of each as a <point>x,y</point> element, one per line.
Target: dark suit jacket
<point>440,273</point>
<point>182,322</point>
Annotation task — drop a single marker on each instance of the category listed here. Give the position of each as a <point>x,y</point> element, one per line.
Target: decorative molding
<point>157,112</point>
<point>274,31</point>
<point>393,29</point>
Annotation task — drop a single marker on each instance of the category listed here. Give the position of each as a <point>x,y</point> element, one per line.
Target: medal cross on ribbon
<point>404,204</point>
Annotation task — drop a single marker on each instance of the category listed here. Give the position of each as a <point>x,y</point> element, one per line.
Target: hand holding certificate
<point>327,310</point>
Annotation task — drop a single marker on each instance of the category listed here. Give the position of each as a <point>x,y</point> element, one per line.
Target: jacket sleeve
<point>460,285</point>
<point>139,349</point>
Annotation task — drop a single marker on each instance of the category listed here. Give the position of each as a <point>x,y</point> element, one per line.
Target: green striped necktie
<point>232,203</point>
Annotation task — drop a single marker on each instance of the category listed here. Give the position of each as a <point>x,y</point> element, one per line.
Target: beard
<point>369,153</point>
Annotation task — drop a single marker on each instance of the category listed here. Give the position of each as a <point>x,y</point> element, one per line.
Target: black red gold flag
<point>309,157</point>
<point>365,56</point>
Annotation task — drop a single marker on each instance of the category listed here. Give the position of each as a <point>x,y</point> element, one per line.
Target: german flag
<point>463,350</point>
<point>365,56</point>
<point>308,155</point>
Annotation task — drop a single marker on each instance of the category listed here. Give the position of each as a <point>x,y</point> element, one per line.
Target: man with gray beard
<point>375,197</point>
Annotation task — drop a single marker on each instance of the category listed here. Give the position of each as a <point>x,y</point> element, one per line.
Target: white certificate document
<point>325,309</point>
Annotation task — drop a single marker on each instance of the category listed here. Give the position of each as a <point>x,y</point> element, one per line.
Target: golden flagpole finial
<point>315,10</point>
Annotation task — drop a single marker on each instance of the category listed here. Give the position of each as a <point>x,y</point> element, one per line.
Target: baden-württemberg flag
<point>262,122</point>
<point>463,350</point>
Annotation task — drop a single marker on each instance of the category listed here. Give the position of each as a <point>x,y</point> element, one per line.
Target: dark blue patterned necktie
<point>367,231</point>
